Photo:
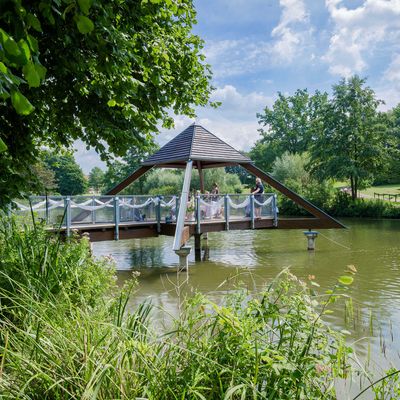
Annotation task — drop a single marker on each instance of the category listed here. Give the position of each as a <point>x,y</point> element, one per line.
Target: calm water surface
<point>373,246</point>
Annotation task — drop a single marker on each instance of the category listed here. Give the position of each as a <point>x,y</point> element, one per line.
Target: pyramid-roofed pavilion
<point>197,144</point>
<point>196,147</point>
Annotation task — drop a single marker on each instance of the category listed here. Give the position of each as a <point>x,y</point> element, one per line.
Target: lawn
<point>387,189</point>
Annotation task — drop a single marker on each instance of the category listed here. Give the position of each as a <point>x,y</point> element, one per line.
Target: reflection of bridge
<point>122,217</point>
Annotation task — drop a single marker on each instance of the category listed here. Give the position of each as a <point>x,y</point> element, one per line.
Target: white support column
<point>180,222</point>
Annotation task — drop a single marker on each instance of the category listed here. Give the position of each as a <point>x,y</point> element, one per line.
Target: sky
<point>257,48</point>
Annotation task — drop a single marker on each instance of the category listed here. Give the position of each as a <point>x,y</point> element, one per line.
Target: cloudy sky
<point>259,47</point>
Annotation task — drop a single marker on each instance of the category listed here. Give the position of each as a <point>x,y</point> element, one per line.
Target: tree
<point>290,124</point>
<point>119,170</point>
<point>68,174</point>
<point>392,173</point>
<point>352,143</point>
<point>107,72</point>
<point>46,178</point>
<point>96,178</point>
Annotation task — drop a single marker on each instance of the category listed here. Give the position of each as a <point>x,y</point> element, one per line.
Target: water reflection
<point>372,246</point>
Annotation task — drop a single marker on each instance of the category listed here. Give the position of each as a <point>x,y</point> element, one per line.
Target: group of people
<point>213,209</point>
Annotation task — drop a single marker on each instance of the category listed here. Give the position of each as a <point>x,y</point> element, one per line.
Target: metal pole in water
<point>275,211</point>
<point>311,236</point>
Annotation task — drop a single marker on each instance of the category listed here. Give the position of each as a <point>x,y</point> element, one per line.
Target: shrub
<point>47,266</point>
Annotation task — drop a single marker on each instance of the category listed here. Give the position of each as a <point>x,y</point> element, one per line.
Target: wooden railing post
<point>198,215</point>
<point>67,203</point>
<point>252,210</point>
<point>116,217</point>
<point>226,209</point>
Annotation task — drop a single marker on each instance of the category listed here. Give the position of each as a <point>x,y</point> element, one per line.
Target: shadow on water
<point>372,246</point>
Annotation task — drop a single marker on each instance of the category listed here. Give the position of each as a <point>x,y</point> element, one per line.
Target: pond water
<point>372,246</point>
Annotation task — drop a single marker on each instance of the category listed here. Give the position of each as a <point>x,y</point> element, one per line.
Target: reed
<point>67,333</point>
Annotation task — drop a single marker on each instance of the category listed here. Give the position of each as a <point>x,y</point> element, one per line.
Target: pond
<point>372,246</point>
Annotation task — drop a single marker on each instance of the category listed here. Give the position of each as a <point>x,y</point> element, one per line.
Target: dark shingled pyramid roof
<point>198,144</point>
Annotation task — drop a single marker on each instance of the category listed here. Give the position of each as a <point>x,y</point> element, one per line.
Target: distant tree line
<point>340,137</point>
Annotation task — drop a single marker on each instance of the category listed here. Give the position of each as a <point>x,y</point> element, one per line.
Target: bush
<point>47,266</point>
<point>344,206</point>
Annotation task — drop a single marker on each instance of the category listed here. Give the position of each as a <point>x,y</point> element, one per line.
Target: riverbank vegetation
<point>68,333</point>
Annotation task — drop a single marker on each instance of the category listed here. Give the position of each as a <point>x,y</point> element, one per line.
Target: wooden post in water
<point>197,246</point>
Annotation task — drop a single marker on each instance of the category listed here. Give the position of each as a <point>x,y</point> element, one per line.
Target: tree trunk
<point>353,188</point>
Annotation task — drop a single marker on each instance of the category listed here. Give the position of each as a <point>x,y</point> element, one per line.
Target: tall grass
<point>66,333</point>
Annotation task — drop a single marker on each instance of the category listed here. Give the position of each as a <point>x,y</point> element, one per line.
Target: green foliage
<point>273,344</point>
<point>117,171</point>
<point>47,267</point>
<point>68,174</point>
<point>96,179</point>
<point>290,169</point>
<point>290,123</point>
<point>342,205</point>
<point>164,181</point>
<point>47,179</point>
<point>227,183</point>
<point>352,141</point>
<point>264,154</point>
<point>107,72</point>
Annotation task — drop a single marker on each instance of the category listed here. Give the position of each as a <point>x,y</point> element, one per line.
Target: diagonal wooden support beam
<point>131,178</point>
<point>302,202</point>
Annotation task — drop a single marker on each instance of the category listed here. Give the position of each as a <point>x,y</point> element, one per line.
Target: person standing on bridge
<point>258,193</point>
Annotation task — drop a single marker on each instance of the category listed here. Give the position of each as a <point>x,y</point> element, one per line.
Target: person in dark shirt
<point>259,196</point>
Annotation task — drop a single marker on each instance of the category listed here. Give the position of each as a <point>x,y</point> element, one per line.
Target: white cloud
<point>393,71</point>
<point>87,159</point>
<point>358,32</point>
<point>291,32</point>
<point>287,43</point>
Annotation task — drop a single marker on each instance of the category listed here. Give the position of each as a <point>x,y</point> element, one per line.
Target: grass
<point>387,189</point>
<point>67,334</point>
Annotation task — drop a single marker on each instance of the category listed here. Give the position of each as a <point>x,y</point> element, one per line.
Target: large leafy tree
<point>68,174</point>
<point>352,143</point>
<point>289,124</point>
<point>107,72</point>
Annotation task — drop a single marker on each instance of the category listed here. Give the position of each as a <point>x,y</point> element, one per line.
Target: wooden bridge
<point>113,217</point>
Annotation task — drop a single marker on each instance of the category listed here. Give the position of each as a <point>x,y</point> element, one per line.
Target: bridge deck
<point>131,230</point>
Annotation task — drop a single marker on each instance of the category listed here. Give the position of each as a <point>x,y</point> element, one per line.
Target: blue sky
<point>259,47</point>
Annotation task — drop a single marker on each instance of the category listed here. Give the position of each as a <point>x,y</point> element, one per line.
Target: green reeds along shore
<point>66,333</point>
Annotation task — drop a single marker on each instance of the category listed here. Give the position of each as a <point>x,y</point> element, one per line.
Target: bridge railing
<point>75,211</point>
<point>232,207</point>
